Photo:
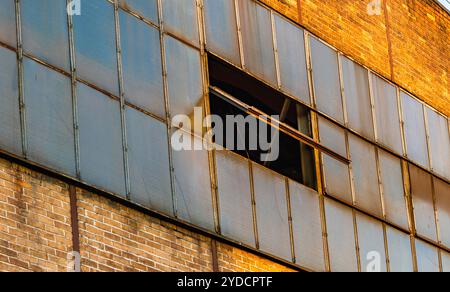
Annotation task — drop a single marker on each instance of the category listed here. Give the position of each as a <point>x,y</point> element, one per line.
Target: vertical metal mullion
<point>253,198</point>
<point>402,123</point>
<point>122,100</point>
<point>386,248</point>
<point>239,32</point>
<point>291,225</point>
<point>380,182</point>
<point>358,250</point>
<point>309,69</point>
<point>275,50</point>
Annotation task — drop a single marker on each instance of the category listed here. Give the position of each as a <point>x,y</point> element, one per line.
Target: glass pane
<point>371,244</point>
<point>445,261</point>
<point>146,8</point>
<point>400,254</point>
<point>235,199</point>
<point>45,31</point>
<point>307,227</point>
<point>184,77</point>
<point>332,136</point>
<point>357,97</point>
<point>337,179</point>
<point>326,80</point>
<point>148,157</point>
<point>101,152</point>
<point>386,114</point>
<point>8,22</point>
<point>365,175</point>
<point>292,59</point>
<point>180,18</point>
<point>95,43</point>
<point>341,237</point>
<point>272,213</point>
<point>193,187</point>
<point>422,196</point>
<point>393,192</point>
<point>10,133</point>
<point>427,257</point>
<point>415,134</point>
<point>221,29</point>
<point>49,115</point>
<point>442,195</point>
<point>258,40</point>
<point>439,143</point>
<point>141,61</point>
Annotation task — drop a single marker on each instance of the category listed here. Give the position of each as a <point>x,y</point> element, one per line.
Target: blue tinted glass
<point>8,22</point>
<point>146,8</point>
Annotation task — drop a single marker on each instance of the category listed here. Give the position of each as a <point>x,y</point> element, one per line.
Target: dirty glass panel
<point>180,18</point>
<point>439,143</point>
<point>221,29</point>
<point>393,192</point>
<point>427,257</point>
<point>45,31</point>
<point>272,213</point>
<point>148,158</point>
<point>337,179</point>
<point>365,176</point>
<point>8,22</point>
<point>326,80</point>
<point>50,133</point>
<point>341,237</point>
<point>95,44</point>
<point>422,196</point>
<point>400,254</point>
<point>332,136</point>
<point>193,186</point>
<point>442,196</point>
<point>10,133</point>
<point>235,199</point>
<point>101,152</point>
<point>145,8</point>
<point>371,244</point>
<point>307,228</point>
<point>357,98</point>
<point>292,59</point>
<point>184,77</point>
<point>415,134</point>
<point>258,40</point>
<point>386,114</point>
<point>445,261</point>
<point>141,61</point>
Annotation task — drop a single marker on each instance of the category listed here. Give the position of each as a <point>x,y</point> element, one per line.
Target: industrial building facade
<point>88,166</point>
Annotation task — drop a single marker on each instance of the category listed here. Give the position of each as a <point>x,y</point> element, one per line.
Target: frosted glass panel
<point>193,187</point>
<point>148,157</point>
<point>272,213</point>
<point>101,152</point>
<point>146,8</point>
<point>45,31</point>
<point>8,22</point>
<point>400,254</point>
<point>221,29</point>
<point>326,80</point>
<point>141,61</point>
<point>393,192</point>
<point>332,136</point>
<point>95,44</point>
<point>258,40</point>
<point>235,199</point>
<point>445,261</point>
<point>337,179</point>
<point>415,133</point>
<point>307,228</point>
<point>386,114</point>
<point>439,143</point>
<point>371,243</point>
<point>341,237</point>
<point>292,59</point>
<point>357,98</point>
<point>50,133</point>
<point>442,196</point>
<point>184,77</point>
<point>10,133</point>
<point>422,196</point>
<point>427,257</point>
<point>180,18</point>
<point>365,177</point>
